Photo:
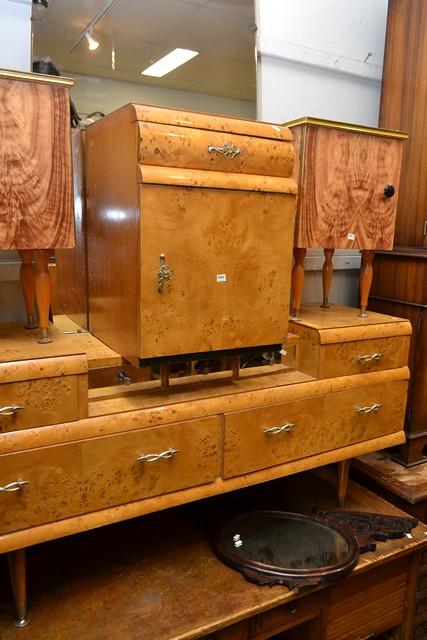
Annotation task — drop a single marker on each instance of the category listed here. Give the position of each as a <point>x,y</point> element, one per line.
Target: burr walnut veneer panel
<point>36,205</point>
<point>342,172</point>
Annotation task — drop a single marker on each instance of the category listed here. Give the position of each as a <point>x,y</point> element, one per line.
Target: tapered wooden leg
<point>28,284</point>
<point>343,473</point>
<point>18,577</point>
<point>327,273</point>
<point>43,292</point>
<point>366,273</point>
<point>298,279</point>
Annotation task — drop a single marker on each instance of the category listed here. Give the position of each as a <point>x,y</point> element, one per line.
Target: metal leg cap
<point>45,340</point>
<point>325,306</point>
<point>20,623</point>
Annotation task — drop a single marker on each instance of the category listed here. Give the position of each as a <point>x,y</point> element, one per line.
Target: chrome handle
<point>374,407</point>
<point>370,357</point>
<point>164,455</point>
<point>164,273</point>
<point>272,431</point>
<point>14,486</point>
<point>228,149</point>
<point>9,411</point>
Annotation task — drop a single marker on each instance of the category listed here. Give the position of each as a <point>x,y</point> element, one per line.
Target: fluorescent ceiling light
<point>169,62</point>
<point>92,43</point>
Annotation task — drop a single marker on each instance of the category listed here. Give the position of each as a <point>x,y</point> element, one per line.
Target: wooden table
<point>156,578</point>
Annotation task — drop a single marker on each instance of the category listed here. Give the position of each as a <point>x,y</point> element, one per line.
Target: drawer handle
<point>370,635</point>
<point>374,407</point>
<point>164,273</point>
<point>228,149</point>
<point>14,486</point>
<point>164,455</point>
<point>370,357</point>
<point>272,431</point>
<point>9,411</point>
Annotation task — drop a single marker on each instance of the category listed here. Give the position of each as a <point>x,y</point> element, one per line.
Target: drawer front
<point>264,437</point>
<point>287,616</point>
<point>237,631</point>
<point>51,490</point>
<point>169,146</point>
<point>34,403</point>
<point>132,466</point>
<point>363,356</point>
<point>365,605</point>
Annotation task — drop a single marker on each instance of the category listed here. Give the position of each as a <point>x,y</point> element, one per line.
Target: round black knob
<point>389,191</point>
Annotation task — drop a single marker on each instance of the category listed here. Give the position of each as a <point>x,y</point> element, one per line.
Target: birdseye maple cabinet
<point>348,178</point>
<point>190,228</point>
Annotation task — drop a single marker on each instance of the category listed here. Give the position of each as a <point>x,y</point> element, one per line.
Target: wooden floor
<point>156,577</point>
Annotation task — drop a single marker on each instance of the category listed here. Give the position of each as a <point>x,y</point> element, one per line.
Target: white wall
<point>15,34</point>
<point>102,94</point>
<point>322,58</point>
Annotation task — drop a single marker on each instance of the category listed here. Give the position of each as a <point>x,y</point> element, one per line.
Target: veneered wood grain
<point>209,121</point>
<point>404,107</point>
<point>342,189</point>
<point>113,232</point>
<point>71,265</point>
<point>152,174</point>
<point>321,424</point>
<point>53,492</point>
<point>44,401</point>
<point>76,524</point>
<point>36,207</point>
<point>171,406</point>
<point>202,233</point>
<point>113,475</point>
<point>37,368</point>
<point>175,146</point>
<point>401,275</point>
<point>342,358</point>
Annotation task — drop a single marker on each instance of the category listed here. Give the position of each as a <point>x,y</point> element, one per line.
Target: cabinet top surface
<point>28,76</point>
<point>17,343</point>
<point>199,120</point>
<point>347,318</point>
<point>346,126</point>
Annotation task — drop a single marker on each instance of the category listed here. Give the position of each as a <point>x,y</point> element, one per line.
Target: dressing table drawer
<point>126,467</point>
<point>267,436</point>
<point>39,486</point>
<point>176,146</point>
<point>363,356</point>
<point>35,393</point>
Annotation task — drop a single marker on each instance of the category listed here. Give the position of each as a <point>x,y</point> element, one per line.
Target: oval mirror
<point>277,547</point>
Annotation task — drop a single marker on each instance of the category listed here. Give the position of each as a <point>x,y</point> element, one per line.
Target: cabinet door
<point>230,253</point>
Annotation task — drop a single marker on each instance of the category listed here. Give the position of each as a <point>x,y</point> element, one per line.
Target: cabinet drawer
<point>42,391</point>
<point>34,403</point>
<point>51,490</point>
<point>175,146</point>
<point>260,438</point>
<point>287,616</point>
<point>149,462</point>
<point>363,356</point>
<point>237,631</point>
<point>365,605</point>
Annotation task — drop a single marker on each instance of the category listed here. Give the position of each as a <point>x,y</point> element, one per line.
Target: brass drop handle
<point>14,486</point>
<point>272,431</point>
<point>228,150</point>
<point>164,273</point>
<point>10,410</point>
<point>374,407</point>
<point>370,357</point>
<point>164,455</point>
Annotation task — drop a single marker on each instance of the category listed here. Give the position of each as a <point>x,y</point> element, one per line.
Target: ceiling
<point>223,31</point>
